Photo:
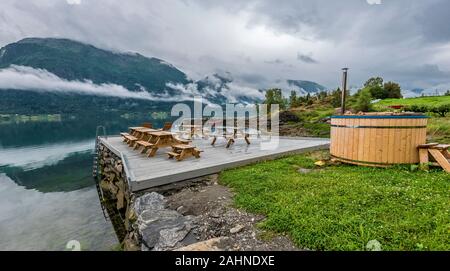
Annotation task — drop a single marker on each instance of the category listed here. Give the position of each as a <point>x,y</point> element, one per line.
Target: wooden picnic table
<point>140,133</point>
<point>230,137</point>
<point>157,140</point>
<point>440,152</point>
<point>181,151</point>
<point>132,131</point>
<point>193,129</point>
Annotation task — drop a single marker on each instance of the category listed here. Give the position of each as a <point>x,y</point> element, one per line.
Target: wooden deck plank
<point>159,170</point>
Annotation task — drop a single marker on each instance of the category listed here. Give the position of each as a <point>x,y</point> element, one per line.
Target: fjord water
<point>47,194</point>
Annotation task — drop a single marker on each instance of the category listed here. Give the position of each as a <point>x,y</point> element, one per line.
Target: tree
<point>375,86</point>
<point>447,93</point>
<point>363,103</point>
<point>275,96</point>
<point>294,100</point>
<point>336,98</point>
<point>308,99</point>
<point>378,90</point>
<point>322,95</point>
<point>374,82</point>
<point>393,90</point>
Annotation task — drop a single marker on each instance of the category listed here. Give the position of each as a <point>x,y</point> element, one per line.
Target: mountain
<point>305,87</point>
<point>220,88</point>
<point>69,76</point>
<point>72,60</point>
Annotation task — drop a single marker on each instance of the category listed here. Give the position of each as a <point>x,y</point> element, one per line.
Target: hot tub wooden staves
<point>377,140</point>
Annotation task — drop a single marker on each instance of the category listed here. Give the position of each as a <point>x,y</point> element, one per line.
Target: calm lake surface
<point>47,194</point>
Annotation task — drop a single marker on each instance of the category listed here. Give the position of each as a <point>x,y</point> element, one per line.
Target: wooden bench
<point>145,144</point>
<point>131,139</point>
<point>124,135</point>
<point>438,151</point>
<point>182,151</point>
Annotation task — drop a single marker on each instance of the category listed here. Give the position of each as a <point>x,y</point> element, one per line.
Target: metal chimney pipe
<point>344,90</point>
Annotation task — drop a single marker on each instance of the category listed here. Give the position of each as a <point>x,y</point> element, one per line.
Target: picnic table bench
<point>138,134</point>
<point>181,151</point>
<point>157,140</point>
<point>438,151</point>
<point>131,132</point>
<point>230,137</point>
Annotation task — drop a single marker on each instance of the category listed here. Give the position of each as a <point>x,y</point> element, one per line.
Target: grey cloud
<point>253,79</point>
<point>275,61</point>
<point>200,37</point>
<point>423,76</point>
<point>434,21</point>
<point>306,58</point>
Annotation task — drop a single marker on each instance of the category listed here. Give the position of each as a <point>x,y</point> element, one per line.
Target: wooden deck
<point>144,173</point>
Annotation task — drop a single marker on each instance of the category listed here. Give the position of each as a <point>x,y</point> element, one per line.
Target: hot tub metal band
<point>380,127</point>
<point>362,162</point>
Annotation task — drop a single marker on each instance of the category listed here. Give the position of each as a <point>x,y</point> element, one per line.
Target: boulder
<point>160,228</point>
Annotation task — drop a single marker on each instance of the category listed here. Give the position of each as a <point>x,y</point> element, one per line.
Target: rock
<point>237,229</point>
<point>182,210</point>
<point>119,168</point>
<point>208,245</point>
<point>120,200</point>
<point>110,176</point>
<point>149,201</point>
<point>114,189</point>
<point>130,245</point>
<point>131,215</point>
<point>304,170</point>
<point>320,163</point>
<point>160,228</point>
<point>287,116</point>
<point>163,229</point>
<point>104,185</point>
<point>168,238</point>
<point>214,215</point>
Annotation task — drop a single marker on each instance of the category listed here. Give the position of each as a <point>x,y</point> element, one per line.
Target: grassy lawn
<point>429,101</point>
<point>343,207</point>
<point>438,127</point>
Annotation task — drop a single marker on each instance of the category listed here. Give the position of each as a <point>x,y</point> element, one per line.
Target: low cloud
<point>40,80</point>
<point>27,78</point>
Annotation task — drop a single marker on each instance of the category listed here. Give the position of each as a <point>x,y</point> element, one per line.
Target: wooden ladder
<point>439,152</point>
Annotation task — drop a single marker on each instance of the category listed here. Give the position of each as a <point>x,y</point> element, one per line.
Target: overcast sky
<point>258,41</point>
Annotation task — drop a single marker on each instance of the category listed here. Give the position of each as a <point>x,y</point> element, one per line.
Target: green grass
<point>439,130</point>
<point>438,127</point>
<point>429,101</point>
<point>310,119</point>
<point>344,207</point>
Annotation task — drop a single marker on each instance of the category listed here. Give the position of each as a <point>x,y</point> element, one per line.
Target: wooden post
<point>344,90</point>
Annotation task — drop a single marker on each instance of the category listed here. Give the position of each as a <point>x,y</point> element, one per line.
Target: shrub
<point>363,103</point>
<point>417,108</point>
<point>441,110</point>
<point>393,90</point>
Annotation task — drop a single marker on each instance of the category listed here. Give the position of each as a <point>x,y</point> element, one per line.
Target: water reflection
<point>32,220</point>
<point>47,194</point>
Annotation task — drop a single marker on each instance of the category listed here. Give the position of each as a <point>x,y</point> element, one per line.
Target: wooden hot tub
<point>378,140</point>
